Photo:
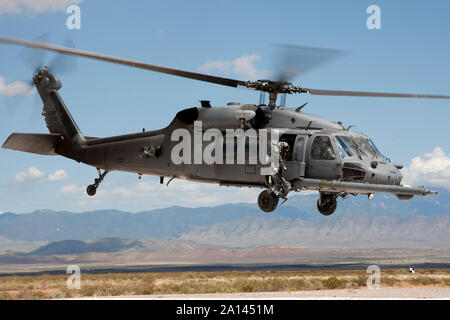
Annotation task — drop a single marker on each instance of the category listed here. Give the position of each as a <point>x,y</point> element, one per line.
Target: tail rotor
<point>35,60</point>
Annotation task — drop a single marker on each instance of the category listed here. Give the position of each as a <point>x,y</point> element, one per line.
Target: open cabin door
<point>296,158</point>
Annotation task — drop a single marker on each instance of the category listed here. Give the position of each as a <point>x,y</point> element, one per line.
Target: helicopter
<point>275,148</point>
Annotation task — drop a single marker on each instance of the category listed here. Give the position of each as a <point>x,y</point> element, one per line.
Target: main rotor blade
<point>292,61</point>
<point>130,63</point>
<point>262,85</point>
<point>370,94</point>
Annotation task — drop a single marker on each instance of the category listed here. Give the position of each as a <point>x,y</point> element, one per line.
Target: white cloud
<point>33,174</point>
<point>58,175</point>
<point>34,6</point>
<point>433,169</point>
<point>72,189</point>
<point>243,67</point>
<point>16,88</point>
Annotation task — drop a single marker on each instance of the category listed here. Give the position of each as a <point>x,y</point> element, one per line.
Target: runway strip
<point>343,294</point>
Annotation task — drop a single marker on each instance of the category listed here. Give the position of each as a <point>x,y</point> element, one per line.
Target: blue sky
<point>409,54</point>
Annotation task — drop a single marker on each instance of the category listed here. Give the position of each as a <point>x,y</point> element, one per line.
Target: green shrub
<point>333,283</point>
<point>247,288</point>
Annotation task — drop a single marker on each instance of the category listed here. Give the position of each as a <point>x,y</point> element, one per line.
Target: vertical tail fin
<point>57,117</point>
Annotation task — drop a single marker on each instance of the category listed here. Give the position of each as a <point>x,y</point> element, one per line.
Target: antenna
<point>301,107</point>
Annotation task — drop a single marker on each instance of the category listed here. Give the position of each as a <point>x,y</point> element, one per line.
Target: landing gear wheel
<point>267,201</point>
<point>327,208</point>
<point>91,190</point>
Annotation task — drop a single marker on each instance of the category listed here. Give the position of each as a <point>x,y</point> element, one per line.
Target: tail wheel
<point>91,190</point>
<point>267,201</point>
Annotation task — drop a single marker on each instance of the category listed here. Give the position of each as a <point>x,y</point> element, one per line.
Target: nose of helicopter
<point>382,172</point>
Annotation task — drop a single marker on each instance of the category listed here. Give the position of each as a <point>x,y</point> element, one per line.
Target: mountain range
<point>112,245</point>
<point>382,222</point>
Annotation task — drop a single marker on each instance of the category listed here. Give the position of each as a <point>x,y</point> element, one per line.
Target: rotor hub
<point>40,75</point>
<point>274,88</point>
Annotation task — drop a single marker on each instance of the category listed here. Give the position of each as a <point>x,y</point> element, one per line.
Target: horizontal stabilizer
<point>33,142</point>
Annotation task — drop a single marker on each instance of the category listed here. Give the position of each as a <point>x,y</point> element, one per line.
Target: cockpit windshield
<point>374,147</point>
<point>368,147</point>
<point>346,146</point>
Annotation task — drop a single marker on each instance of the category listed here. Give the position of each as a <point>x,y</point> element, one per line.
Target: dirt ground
<point>338,294</point>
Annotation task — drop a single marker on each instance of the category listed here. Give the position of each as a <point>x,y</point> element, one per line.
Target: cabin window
<point>322,149</point>
<point>298,149</point>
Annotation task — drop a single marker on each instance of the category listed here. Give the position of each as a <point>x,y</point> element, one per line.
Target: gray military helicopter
<point>307,152</point>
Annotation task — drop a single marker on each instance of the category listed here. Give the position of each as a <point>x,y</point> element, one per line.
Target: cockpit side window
<point>322,149</point>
